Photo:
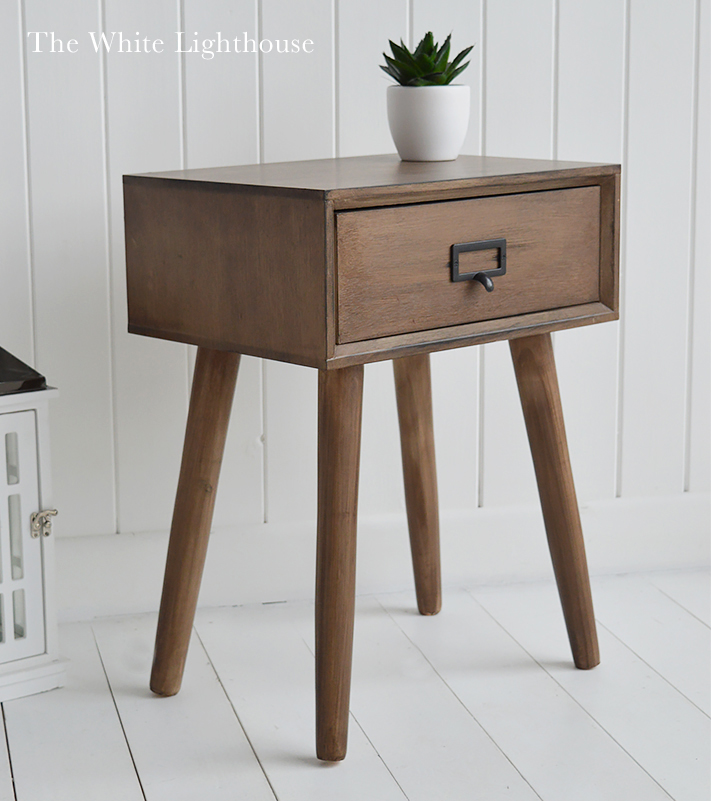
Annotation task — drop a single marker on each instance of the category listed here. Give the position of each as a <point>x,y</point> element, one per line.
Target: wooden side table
<point>340,262</point>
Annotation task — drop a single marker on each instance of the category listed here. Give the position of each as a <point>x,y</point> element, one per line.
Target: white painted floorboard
<point>652,722</point>
<point>432,744</point>
<point>480,702</point>
<point>187,747</point>
<point>268,671</point>
<point>7,792</point>
<point>552,740</point>
<point>669,639</point>
<point>67,744</point>
<point>692,590</point>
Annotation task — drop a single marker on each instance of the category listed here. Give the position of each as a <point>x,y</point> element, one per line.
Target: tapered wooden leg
<point>538,387</point>
<point>340,400</point>
<point>414,407</point>
<point>208,419</point>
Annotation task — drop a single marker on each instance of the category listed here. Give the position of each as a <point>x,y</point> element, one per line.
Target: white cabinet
<point>29,660</point>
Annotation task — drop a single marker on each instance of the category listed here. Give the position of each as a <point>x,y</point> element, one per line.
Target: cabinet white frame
<point>30,663</point>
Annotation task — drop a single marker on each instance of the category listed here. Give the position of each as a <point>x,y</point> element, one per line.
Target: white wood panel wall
<point>16,312</point>
<point>589,120</point>
<point>70,278</point>
<point>455,374</point>
<point>218,132</point>
<point>658,227</point>
<point>600,80</point>
<point>698,466</point>
<point>518,86</point>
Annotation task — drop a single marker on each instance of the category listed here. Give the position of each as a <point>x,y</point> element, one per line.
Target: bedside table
<point>339,262</point>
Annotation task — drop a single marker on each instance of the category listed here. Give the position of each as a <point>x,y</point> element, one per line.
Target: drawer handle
<point>482,276</point>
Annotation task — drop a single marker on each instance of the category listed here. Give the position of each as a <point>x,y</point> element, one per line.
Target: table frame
<point>197,273</point>
<point>340,394</point>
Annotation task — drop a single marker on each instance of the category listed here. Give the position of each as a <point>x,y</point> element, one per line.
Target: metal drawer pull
<point>483,276</point>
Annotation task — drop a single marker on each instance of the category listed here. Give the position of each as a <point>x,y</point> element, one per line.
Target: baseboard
<point>29,676</point>
<point>110,575</point>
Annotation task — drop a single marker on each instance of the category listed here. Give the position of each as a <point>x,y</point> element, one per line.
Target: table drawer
<point>394,263</point>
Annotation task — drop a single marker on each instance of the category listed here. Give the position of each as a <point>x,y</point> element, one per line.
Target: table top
<point>330,176</point>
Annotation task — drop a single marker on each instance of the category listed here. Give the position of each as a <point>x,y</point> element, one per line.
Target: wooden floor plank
<point>7,792</point>
<point>185,747</point>
<point>67,744</point>
<point>431,743</point>
<point>670,639</point>
<point>661,730</point>
<point>689,588</point>
<point>481,701</point>
<point>268,672</point>
<point>555,744</point>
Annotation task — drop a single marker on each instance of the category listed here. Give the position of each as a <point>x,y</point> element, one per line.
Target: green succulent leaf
<point>395,63</point>
<point>460,57</point>
<point>443,53</point>
<point>428,65</point>
<point>441,63</point>
<point>427,62</point>
<point>425,45</point>
<point>391,72</point>
<point>399,52</point>
<point>457,71</point>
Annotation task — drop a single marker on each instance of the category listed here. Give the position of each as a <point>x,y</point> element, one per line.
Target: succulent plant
<point>429,65</point>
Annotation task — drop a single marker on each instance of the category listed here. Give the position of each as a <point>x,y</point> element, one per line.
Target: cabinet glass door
<point>21,587</point>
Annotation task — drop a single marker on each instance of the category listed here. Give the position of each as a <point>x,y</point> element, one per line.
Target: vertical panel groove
<point>260,84</point>
<point>481,378</point>
<point>482,80</point>
<point>554,79</point>
<point>182,115</point>
<point>28,181</point>
<point>410,24</point>
<point>623,250</point>
<point>335,55</point>
<point>181,93</point>
<point>692,247</point>
<point>263,370</point>
<point>555,73</point>
<point>109,265</point>
<point>481,349</point>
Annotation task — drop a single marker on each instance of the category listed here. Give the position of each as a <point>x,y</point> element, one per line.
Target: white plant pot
<point>428,123</point>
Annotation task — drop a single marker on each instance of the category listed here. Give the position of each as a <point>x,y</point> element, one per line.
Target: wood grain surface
<point>208,418</point>
<point>393,268</point>
<point>538,387</point>
<point>610,241</point>
<point>460,336</point>
<point>413,390</point>
<point>384,170</point>
<point>340,401</point>
<point>228,270</point>
<point>244,258</point>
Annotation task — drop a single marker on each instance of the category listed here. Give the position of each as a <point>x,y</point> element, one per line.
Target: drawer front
<point>394,273</point>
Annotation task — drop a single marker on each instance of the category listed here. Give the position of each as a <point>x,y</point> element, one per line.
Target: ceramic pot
<point>428,123</point>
